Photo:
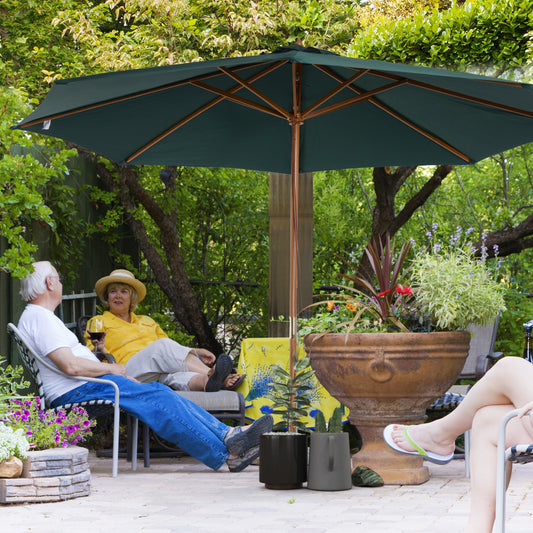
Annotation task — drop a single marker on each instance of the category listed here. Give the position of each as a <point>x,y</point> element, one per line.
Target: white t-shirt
<point>44,332</point>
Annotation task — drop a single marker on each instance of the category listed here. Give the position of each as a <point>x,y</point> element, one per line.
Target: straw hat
<point>120,276</point>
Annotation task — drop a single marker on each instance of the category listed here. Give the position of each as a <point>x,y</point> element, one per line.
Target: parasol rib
<point>238,100</point>
<point>489,103</point>
<point>351,101</point>
<point>198,112</point>
<point>139,94</point>
<point>335,91</point>
<point>246,84</point>
<point>402,119</point>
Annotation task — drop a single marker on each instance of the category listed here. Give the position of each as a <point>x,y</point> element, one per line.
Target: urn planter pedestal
<point>386,378</point>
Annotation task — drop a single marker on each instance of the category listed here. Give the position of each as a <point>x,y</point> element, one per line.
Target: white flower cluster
<point>12,443</point>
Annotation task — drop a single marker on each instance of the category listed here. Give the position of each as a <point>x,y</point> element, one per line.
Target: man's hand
<point>119,370</point>
<point>99,344</point>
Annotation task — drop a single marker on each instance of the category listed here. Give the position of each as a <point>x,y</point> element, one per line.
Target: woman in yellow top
<point>140,344</point>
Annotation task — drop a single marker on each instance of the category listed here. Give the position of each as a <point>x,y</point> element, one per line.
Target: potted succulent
<point>387,347</point>
<point>283,452</point>
<point>330,463</point>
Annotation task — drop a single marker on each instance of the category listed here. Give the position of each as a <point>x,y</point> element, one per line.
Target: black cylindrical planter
<point>283,460</point>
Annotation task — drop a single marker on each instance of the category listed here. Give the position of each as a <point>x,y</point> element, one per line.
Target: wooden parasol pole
<point>296,122</point>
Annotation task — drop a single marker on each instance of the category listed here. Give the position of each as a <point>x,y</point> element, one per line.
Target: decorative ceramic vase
<point>283,460</point>
<point>330,464</point>
<point>386,378</point>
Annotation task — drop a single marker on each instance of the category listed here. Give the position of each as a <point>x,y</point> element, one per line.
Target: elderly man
<point>172,417</point>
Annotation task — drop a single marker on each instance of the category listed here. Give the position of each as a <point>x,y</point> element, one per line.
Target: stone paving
<point>182,495</point>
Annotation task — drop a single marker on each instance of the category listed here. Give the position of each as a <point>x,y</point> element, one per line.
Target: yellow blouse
<point>123,339</point>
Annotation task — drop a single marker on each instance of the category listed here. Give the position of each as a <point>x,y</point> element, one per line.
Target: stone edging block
<point>50,475</point>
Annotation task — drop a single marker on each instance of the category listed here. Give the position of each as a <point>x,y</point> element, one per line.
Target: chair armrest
<point>485,361</point>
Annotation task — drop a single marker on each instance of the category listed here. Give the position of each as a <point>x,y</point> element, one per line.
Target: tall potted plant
<point>388,346</point>
<point>283,452</point>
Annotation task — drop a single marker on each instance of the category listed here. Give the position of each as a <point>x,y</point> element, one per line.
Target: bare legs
<point>507,386</point>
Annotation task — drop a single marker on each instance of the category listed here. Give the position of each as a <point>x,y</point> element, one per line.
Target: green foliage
<point>481,32</point>
<point>51,428</point>
<point>140,33</point>
<point>11,382</point>
<point>510,339</point>
<point>456,289</point>
<point>337,316</point>
<point>66,38</point>
<point>27,177</point>
<point>342,220</point>
<point>334,425</point>
<point>33,52</point>
<point>291,397</point>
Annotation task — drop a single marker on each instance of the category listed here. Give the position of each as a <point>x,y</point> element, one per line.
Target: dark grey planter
<point>283,460</point>
<point>330,463</point>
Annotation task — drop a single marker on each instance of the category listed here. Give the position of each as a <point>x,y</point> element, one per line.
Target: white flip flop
<point>436,458</point>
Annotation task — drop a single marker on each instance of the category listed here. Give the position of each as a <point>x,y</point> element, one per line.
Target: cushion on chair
<point>223,400</point>
<point>447,402</point>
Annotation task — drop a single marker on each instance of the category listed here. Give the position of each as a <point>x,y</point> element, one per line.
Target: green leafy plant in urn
<point>387,348</point>
<point>283,452</point>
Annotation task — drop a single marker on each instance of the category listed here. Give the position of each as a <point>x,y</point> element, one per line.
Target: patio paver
<point>182,495</point>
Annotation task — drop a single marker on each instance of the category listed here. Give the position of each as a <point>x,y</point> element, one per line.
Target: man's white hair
<point>35,284</point>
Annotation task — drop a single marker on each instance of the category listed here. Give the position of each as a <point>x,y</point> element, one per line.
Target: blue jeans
<point>172,417</point>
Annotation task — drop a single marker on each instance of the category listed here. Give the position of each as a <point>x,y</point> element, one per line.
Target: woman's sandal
<point>234,385</point>
<point>221,371</point>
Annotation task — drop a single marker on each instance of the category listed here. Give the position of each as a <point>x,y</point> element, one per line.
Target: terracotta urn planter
<point>386,378</point>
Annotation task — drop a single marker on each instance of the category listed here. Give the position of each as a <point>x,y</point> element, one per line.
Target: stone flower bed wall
<point>48,476</point>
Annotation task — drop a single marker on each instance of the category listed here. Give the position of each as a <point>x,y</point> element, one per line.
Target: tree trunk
<point>169,270</point>
<point>387,183</point>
